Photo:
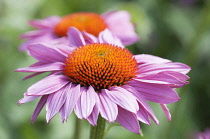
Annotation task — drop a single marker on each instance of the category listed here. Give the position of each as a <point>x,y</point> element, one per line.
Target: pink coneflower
<point>102,78</point>
<point>203,135</point>
<point>53,28</point>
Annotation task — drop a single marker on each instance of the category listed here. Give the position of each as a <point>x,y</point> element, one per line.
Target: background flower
<point>203,135</point>
<point>55,28</point>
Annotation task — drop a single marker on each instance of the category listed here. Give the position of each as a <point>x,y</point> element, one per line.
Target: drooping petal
<point>72,96</point>
<point>56,66</point>
<point>142,102</point>
<point>128,120</point>
<point>155,92</point>
<point>39,107</point>
<point>75,37</point>
<point>171,78</point>
<point>123,98</point>
<point>107,108</point>
<point>46,53</point>
<point>86,102</point>
<point>26,99</point>
<point>48,85</point>
<point>118,22</point>
<point>156,68</point>
<point>78,108</point>
<point>166,111</point>
<point>142,115</point>
<point>150,59</point>
<point>55,101</point>
<point>32,75</point>
<point>179,76</point>
<point>38,73</point>
<point>93,117</point>
<point>107,37</point>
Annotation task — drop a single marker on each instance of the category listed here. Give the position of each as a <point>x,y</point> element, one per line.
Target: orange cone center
<point>90,22</point>
<point>100,65</point>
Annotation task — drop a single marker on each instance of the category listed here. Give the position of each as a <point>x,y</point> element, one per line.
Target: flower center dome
<point>90,22</point>
<point>100,65</point>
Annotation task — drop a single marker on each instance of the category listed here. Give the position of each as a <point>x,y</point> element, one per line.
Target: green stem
<point>77,132</point>
<point>109,127</point>
<point>97,132</point>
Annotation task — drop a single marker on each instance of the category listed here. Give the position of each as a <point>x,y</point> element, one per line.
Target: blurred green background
<point>178,30</point>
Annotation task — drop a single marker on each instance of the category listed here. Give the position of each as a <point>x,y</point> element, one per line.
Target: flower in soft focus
<point>102,78</point>
<point>203,135</point>
<point>55,28</point>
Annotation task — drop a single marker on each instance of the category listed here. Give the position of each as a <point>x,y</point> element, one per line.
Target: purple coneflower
<point>102,78</point>
<point>55,28</point>
<point>203,135</point>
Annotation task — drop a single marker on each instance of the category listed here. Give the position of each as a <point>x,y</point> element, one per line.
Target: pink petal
<point>64,48</point>
<point>179,76</point>
<point>75,37</point>
<point>72,97</point>
<point>119,22</point>
<point>107,37</point>
<point>156,68</point>
<point>142,115</point>
<point>123,98</point>
<point>55,101</point>
<point>128,120</point>
<point>39,107</point>
<point>157,93</point>
<point>150,59</point>
<point>48,22</point>
<point>48,85</point>
<point>35,74</point>
<point>172,78</point>
<point>78,108</point>
<point>32,34</point>
<point>89,38</point>
<point>107,108</point>
<point>32,75</point>
<point>142,102</point>
<point>86,102</point>
<point>43,37</point>
<point>93,117</point>
<point>46,53</point>
<point>166,111</point>
<point>56,66</point>
<point>26,99</point>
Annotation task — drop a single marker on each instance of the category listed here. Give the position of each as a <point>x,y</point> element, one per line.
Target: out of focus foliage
<point>178,30</point>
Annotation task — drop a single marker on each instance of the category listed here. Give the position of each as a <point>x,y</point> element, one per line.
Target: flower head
<point>100,65</point>
<point>55,28</point>
<point>102,78</point>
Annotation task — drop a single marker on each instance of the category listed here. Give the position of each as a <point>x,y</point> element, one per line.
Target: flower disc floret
<point>100,65</point>
<point>90,22</point>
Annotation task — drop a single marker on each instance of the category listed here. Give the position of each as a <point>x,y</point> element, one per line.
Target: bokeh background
<point>178,30</point>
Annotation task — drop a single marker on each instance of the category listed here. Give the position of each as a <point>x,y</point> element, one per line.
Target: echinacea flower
<point>102,78</point>
<point>53,28</point>
<point>203,135</point>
